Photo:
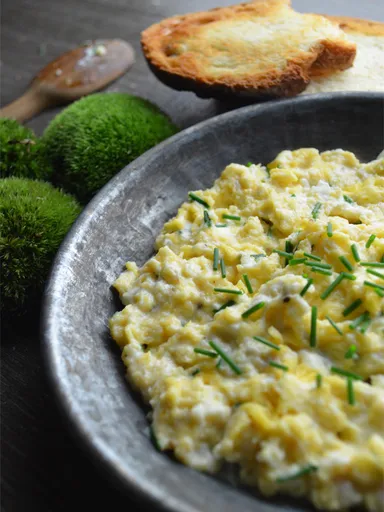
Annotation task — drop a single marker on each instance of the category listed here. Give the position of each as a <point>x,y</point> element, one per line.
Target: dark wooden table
<point>42,468</point>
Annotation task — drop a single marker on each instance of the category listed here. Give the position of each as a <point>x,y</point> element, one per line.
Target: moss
<point>34,218</point>
<point>21,153</point>
<point>95,137</point>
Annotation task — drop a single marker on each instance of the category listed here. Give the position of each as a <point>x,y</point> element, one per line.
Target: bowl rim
<point>98,451</point>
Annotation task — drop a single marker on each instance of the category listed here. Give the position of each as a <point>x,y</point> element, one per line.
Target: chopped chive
<point>207,219</point>
<point>350,391</point>
<point>218,364</point>
<point>329,230</point>
<point>266,342</point>
<point>269,232</point>
<point>365,324</point>
<point>258,256</point>
<point>198,199</point>
<point>337,329</point>
<point>279,366</point>
<point>205,352</point>
<point>321,271</point>
<point>347,311</point>
<point>215,258</point>
<point>316,210</point>
<point>249,164</point>
<point>195,372</point>
<point>253,309</point>
<point>247,283</point>
<point>348,199</point>
<point>345,373</point>
<point>331,287</point>
<point>225,357</point>
<point>305,275</point>
<point>312,256</point>
<point>350,352</point>
<point>374,285</point>
<point>346,263</point>
<point>380,293</point>
<point>296,261</point>
<point>285,254</point>
<point>355,252</point>
<point>318,265</point>
<point>359,320</point>
<point>293,195</point>
<point>231,217</point>
<point>305,289</point>
<point>288,249</point>
<point>222,268</point>
<point>228,290</point>
<point>221,225</point>
<point>319,380</point>
<point>153,438</point>
<point>370,241</point>
<point>312,336</point>
<point>374,273</point>
<point>225,305</point>
<point>302,472</point>
<point>351,277</point>
<point>372,264</point>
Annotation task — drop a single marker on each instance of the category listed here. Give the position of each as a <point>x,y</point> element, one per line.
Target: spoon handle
<point>32,102</point>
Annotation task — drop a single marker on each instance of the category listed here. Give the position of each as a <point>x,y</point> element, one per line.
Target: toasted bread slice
<point>367,72</point>
<point>258,49</point>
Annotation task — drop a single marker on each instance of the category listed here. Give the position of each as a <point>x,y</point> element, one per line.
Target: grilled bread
<point>367,72</point>
<point>258,49</point>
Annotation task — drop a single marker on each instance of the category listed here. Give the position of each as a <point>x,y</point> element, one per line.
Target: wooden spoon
<point>73,75</point>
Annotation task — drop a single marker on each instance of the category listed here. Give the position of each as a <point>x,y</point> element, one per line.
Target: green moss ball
<point>34,217</point>
<point>95,137</point>
<point>21,153</point>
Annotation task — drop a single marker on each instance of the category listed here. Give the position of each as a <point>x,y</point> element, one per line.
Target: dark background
<point>41,466</point>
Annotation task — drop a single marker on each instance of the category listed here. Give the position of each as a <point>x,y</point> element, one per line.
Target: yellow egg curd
<point>256,332</point>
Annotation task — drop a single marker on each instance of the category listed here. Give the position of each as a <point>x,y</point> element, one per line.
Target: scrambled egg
<point>271,360</point>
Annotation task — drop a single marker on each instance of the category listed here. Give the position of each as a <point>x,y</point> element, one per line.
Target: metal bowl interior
<point>120,224</point>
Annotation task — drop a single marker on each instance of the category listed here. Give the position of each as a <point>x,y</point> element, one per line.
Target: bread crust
<point>163,43</point>
<point>350,25</point>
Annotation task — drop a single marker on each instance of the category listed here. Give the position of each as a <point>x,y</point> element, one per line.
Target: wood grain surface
<point>41,467</point>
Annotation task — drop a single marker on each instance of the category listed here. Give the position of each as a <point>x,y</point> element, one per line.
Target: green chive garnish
<point>348,199</point>
<point>285,254</point>
<point>350,352</point>
<point>221,225</point>
<point>153,438</point>
<point>337,329</point>
<point>346,263</point>
<point>222,268</point>
<point>305,289</point>
<point>207,219</point>
<point>321,271</point>
<point>370,241</point>
<point>347,311</point>
<point>218,364</point>
<point>312,256</point>
<point>249,164</point>
<point>253,309</point>
<point>374,285</point>
<point>312,336</point>
<point>359,320</point>
<point>196,198</point>
<point>228,290</point>
<point>372,264</point>
<point>258,256</point>
<point>231,217</point>
<point>225,305</point>
<point>266,342</point>
<point>365,324</point>
<point>380,293</point>
<point>319,380</point>
<point>350,392</point>
<point>195,372</point>
<point>247,283</point>
<point>226,358</point>
<point>279,366</point>
<point>345,373</point>
<point>215,258</point>
<point>351,277</point>
<point>269,232</point>
<point>374,273</point>
<point>318,265</point>
<point>355,252</point>
<point>302,472</point>
<point>316,210</point>
<point>297,261</point>
<point>205,352</point>
<point>289,249</point>
<point>329,230</point>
